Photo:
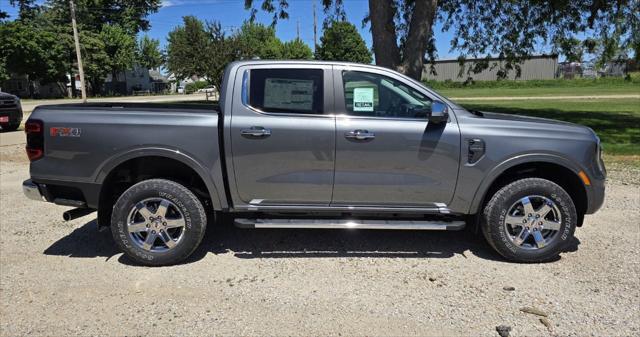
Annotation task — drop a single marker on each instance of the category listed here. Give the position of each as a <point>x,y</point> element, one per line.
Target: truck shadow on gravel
<point>87,242</point>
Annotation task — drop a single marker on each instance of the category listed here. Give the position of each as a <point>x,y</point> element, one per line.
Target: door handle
<point>360,135</point>
<point>256,131</point>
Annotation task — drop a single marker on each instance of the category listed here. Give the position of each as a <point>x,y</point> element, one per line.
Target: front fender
<point>499,169</point>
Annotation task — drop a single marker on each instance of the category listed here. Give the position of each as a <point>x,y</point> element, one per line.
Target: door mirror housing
<point>439,112</point>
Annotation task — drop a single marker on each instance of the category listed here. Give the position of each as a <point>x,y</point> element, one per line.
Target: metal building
<point>539,67</point>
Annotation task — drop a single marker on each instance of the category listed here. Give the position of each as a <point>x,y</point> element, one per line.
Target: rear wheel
<point>158,222</point>
<point>529,220</point>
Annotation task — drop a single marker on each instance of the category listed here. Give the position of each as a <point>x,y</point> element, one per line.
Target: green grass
<point>616,121</point>
<point>537,92</point>
<point>631,79</point>
<point>557,87</point>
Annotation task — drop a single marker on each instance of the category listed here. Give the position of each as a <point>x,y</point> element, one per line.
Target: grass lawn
<point>555,87</point>
<point>544,91</point>
<point>616,121</point>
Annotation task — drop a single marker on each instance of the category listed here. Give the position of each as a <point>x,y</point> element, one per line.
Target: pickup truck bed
<point>111,134</point>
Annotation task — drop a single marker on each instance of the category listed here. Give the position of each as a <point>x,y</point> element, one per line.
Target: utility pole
<point>298,28</point>
<point>83,88</point>
<point>315,28</point>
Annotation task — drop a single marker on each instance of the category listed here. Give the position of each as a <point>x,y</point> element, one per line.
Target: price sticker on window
<point>363,99</point>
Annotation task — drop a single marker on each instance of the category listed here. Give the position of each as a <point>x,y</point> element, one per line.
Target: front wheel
<point>529,220</point>
<point>158,222</point>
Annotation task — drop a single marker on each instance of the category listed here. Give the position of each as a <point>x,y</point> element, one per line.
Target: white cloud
<point>174,3</point>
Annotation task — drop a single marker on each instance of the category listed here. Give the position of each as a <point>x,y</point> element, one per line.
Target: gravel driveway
<point>66,278</point>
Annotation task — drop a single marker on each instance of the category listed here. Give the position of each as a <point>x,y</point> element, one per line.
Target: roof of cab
<point>310,62</point>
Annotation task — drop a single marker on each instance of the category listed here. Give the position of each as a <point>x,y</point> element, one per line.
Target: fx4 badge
<point>64,132</point>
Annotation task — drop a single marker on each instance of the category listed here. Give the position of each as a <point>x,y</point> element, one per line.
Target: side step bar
<point>345,224</point>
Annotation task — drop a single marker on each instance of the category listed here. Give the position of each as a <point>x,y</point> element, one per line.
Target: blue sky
<point>231,14</point>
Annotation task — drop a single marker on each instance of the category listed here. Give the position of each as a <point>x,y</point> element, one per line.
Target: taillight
<point>35,139</point>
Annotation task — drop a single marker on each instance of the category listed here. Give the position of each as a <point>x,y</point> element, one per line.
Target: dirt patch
<point>66,278</point>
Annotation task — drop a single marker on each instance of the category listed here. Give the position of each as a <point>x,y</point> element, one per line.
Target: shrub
<point>195,86</point>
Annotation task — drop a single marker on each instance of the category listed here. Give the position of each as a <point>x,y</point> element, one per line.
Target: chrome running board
<point>345,224</point>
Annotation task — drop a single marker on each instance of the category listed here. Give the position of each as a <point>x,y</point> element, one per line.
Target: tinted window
<point>368,94</point>
<point>286,90</point>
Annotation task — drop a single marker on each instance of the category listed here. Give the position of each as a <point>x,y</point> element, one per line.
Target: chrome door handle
<point>256,131</point>
<point>360,135</point>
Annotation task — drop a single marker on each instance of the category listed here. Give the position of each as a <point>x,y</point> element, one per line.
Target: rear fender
<point>216,199</point>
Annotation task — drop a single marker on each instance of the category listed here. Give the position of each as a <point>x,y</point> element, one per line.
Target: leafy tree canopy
<point>186,48</point>
<point>32,51</point>
<point>342,42</point>
<point>402,30</point>
<point>119,46</point>
<point>199,49</point>
<point>148,53</point>
<point>255,40</point>
<point>296,49</point>
<point>131,15</point>
<point>107,30</point>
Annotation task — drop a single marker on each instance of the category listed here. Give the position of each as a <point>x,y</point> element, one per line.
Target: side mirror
<point>439,112</point>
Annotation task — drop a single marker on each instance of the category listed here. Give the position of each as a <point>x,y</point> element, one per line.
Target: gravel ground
<point>66,278</point>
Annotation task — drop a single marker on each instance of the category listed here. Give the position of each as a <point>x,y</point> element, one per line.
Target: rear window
<point>286,90</point>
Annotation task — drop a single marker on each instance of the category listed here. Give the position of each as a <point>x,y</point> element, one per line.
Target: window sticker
<point>363,99</point>
<point>289,94</point>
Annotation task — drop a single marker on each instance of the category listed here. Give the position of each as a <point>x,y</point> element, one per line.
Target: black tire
<point>192,214</point>
<point>496,209</point>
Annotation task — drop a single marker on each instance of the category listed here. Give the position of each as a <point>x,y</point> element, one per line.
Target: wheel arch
<point>142,164</point>
<point>551,167</point>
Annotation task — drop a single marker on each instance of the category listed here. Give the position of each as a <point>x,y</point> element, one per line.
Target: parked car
<point>181,89</point>
<point>208,89</point>
<point>303,144</point>
<point>10,112</point>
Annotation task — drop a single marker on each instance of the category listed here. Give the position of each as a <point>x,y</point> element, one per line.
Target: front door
<point>387,152</point>
<point>283,136</point>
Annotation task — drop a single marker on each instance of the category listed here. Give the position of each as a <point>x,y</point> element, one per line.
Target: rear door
<point>387,152</point>
<point>283,135</point>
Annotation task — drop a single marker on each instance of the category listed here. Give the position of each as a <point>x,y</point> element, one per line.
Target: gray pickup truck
<point>315,145</point>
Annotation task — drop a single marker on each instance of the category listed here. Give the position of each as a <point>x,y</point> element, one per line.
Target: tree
<point>572,48</point>
<point>199,49</point>
<point>32,51</point>
<point>130,17</point>
<point>95,60</point>
<point>187,49</point>
<point>255,40</point>
<point>402,30</point>
<point>119,46</point>
<point>296,49</point>
<point>220,51</point>
<point>342,42</point>
<point>27,9</point>
<point>148,53</point>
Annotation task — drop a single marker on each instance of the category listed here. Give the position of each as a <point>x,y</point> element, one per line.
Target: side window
<point>374,95</point>
<point>286,90</point>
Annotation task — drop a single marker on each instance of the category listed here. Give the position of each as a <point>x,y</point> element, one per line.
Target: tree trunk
<point>420,31</point>
<point>383,31</point>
